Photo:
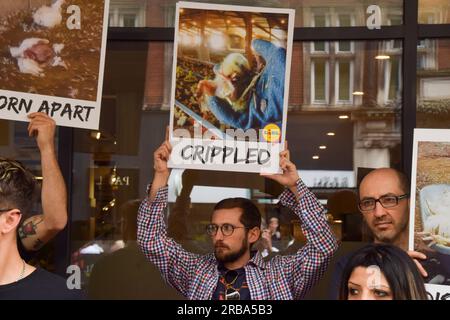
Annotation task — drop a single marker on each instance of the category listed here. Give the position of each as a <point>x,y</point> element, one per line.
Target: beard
<point>391,235</point>
<point>230,256</point>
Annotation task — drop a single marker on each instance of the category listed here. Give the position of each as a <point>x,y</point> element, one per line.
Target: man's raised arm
<point>39,229</point>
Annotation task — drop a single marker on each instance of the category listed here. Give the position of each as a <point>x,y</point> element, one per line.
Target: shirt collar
<point>257,260</point>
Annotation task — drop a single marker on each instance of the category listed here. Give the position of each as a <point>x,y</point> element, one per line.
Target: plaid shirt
<point>282,278</point>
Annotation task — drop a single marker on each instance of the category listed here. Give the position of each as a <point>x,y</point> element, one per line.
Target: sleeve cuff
<point>161,195</point>
<point>288,199</point>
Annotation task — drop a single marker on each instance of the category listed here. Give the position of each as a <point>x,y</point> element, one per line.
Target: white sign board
<point>430,207</point>
<point>230,87</point>
<point>52,59</point>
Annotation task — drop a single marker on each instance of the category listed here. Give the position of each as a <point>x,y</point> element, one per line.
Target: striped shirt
<point>282,278</point>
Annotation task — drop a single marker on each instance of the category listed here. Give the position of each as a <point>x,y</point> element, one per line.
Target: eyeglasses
<point>227,229</point>
<point>386,201</point>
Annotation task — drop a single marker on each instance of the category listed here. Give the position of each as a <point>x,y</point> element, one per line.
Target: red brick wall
<point>154,80</point>
<point>296,83</point>
<point>443,49</point>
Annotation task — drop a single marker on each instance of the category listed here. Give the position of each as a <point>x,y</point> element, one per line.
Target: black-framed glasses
<point>227,229</point>
<point>386,201</point>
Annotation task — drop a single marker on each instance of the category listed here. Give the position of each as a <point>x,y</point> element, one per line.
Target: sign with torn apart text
<point>52,57</point>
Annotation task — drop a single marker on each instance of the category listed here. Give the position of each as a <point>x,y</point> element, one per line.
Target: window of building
<point>433,79</point>
<point>320,81</point>
<point>434,12</point>
<point>131,13</point>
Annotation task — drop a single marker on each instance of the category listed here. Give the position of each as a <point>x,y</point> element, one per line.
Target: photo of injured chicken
<point>34,55</point>
<point>227,77</point>
<point>435,211</point>
<point>432,207</point>
<point>42,53</point>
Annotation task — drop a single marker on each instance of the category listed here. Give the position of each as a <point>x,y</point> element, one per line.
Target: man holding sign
<point>234,271</point>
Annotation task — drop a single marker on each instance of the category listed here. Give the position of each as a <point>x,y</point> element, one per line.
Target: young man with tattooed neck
<point>19,280</point>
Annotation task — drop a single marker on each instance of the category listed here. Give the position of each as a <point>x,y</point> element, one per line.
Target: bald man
<point>384,204</point>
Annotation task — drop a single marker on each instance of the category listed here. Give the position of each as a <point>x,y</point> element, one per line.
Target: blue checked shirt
<point>282,278</point>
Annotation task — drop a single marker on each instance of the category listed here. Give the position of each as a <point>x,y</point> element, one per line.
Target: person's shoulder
<point>54,286</point>
<point>44,275</point>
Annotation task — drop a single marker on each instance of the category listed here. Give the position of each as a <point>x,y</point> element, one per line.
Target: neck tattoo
<point>22,273</point>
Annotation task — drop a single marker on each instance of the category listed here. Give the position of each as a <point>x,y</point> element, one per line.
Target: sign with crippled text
<point>52,56</point>
<point>230,87</point>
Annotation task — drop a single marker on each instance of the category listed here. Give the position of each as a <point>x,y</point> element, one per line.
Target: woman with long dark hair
<point>381,272</point>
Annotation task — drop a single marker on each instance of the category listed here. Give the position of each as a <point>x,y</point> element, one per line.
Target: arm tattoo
<point>29,229</point>
<point>37,244</point>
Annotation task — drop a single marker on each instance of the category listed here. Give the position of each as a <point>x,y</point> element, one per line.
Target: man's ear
<point>10,221</point>
<point>253,235</point>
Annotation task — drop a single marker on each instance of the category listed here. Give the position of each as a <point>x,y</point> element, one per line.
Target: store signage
<point>429,230</point>
<point>230,87</point>
<point>116,180</point>
<point>54,64</point>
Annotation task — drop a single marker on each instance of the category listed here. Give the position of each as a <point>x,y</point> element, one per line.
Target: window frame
<point>409,32</point>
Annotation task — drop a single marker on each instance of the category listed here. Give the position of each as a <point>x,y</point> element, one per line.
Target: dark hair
<point>17,187</point>
<point>250,216</point>
<point>400,271</point>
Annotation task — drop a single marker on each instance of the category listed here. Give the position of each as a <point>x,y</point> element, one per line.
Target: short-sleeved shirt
<point>39,285</point>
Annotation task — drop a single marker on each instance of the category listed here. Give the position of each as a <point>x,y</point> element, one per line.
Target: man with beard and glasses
<point>384,205</point>
<point>234,271</point>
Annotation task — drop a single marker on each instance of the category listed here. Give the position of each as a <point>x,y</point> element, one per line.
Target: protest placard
<point>52,57</point>
<point>230,87</point>
<point>430,208</point>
